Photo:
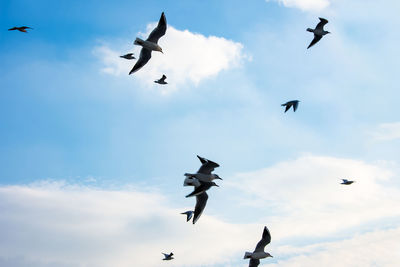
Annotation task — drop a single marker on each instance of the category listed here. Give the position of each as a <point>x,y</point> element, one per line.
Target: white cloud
<point>188,57</point>
<point>313,220</point>
<point>306,5</point>
<point>387,132</point>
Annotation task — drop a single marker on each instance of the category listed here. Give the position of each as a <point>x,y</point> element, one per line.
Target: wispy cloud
<point>188,58</point>
<point>387,132</point>
<point>306,5</point>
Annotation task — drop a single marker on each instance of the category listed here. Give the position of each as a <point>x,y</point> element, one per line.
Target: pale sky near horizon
<point>92,159</point>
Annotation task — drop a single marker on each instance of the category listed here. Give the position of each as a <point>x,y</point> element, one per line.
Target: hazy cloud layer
<point>387,132</point>
<point>311,216</point>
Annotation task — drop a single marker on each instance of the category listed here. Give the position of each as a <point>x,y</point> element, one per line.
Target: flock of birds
<point>202,180</point>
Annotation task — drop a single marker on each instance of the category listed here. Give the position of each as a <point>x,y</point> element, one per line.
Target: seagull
<point>204,186</point>
<point>21,29</point>
<point>204,173</point>
<point>201,198</point>
<point>347,182</point>
<point>289,104</point>
<point>128,56</point>
<point>161,80</point>
<point>189,214</point>
<point>259,252</point>
<point>150,44</point>
<point>318,31</point>
<point>168,257</point>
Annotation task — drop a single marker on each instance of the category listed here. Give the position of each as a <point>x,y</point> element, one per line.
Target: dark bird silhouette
<point>319,31</point>
<point>346,182</point>
<point>168,257</point>
<point>150,44</point>
<point>161,80</point>
<point>128,56</point>
<point>203,174</point>
<point>259,252</point>
<point>289,104</point>
<point>21,29</point>
<point>204,186</point>
<point>189,214</point>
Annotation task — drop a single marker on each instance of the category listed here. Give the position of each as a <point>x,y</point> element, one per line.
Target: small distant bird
<point>203,174</point>
<point>21,29</point>
<point>168,257</point>
<point>318,31</point>
<point>161,80</point>
<point>150,44</point>
<point>128,56</point>
<point>289,104</point>
<point>347,182</point>
<point>189,215</point>
<point>259,252</point>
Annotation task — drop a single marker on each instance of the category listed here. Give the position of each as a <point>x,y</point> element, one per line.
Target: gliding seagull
<point>259,252</point>
<point>318,31</point>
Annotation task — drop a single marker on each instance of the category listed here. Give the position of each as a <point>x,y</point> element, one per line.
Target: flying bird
<point>289,104</point>
<point>150,44</point>
<point>161,80</point>
<point>128,56</point>
<point>189,214</point>
<point>204,186</point>
<point>21,29</point>
<point>318,31</point>
<point>204,174</point>
<point>201,198</point>
<point>168,257</point>
<point>259,252</point>
<point>347,182</point>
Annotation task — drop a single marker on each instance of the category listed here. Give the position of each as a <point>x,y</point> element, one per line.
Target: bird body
<point>346,182</point>
<point>259,252</point>
<point>204,186</point>
<point>189,214</point>
<point>128,56</point>
<point>319,31</point>
<point>289,104</point>
<point>150,44</point>
<point>168,257</point>
<point>21,29</point>
<point>204,173</point>
<point>203,177</point>
<point>161,80</point>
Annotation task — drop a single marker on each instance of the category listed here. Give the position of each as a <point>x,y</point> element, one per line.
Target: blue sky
<point>74,125</point>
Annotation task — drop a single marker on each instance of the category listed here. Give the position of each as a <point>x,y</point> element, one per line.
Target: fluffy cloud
<point>307,5</point>
<point>387,132</point>
<point>188,57</point>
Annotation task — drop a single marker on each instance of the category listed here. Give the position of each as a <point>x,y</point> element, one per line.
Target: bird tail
<point>138,41</point>
<point>191,181</point>
<point>310,30</point>
<point>247,255</point>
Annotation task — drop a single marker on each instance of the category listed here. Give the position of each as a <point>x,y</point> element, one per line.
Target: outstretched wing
<point>295,105</point>
<point>254,263</point>
<point>207,166</point>
<point>265,240</point>
<point>201,201</point>
<point>315,40</point>
<point>321,24</point>
<point>144,57</point>
<point>159,30</point>
<point>287,107</point>
<point>163,78</point>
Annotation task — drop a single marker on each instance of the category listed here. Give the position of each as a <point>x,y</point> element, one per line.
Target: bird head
<point>159,49</point>
<point>214,184</point>
<point>269,255</point>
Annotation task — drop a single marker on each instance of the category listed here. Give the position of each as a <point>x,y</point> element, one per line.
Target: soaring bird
<point>128,56</point>
<point>259,252</point>
<point>21,29</point>
<point>150,44</point>
<point>201,198</point>
<point>203,174</point>
<point>289,104</point>
<point>189,214</point>
<point>168,257</point>
<point>318,31</point>
<point>347,182</point>
<point>161,80</point>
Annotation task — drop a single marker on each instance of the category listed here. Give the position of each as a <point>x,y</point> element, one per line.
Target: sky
<point>92,159</point>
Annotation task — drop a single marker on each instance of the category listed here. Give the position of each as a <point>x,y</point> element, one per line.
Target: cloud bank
<point>305,5</point>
